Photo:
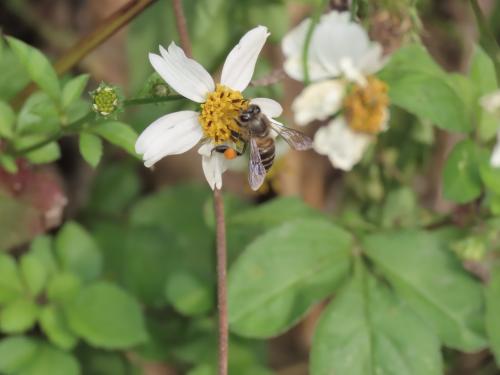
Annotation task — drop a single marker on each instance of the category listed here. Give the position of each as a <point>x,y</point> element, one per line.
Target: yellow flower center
<point>219,113</point>
<point>366,106</point>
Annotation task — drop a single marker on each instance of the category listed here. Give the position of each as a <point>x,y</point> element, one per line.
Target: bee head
<point>248,114</point>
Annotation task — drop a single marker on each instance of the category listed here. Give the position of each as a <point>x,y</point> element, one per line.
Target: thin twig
<point>182,29</point>
<point>219,219</point>
<point>221,281</point>
<point>90,42</point>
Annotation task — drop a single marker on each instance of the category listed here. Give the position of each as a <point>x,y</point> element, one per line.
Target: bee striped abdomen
<point>266,151</point>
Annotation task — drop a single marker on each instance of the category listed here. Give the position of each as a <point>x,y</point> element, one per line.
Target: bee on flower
<point>491,104</point>
<point>341,64</point>
<point>225,121</point>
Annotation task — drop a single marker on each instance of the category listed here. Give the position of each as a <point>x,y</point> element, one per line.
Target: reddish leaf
<point>31,202</point>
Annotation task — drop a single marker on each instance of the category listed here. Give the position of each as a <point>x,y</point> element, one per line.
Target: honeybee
<point>255,131</point>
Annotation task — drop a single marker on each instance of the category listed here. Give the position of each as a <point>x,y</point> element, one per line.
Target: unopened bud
<point>105,100</point>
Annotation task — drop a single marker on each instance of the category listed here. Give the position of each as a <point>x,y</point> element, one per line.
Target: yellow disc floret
<point>366,106</point>
<point>219,113</point>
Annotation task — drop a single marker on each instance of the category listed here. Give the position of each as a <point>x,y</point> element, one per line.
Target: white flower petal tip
<point>343,146</point>
<point>495,155</point>
<point>240,63</point>
<point>335,39</point>
<point>491,102</point>
<point>183,74</point>
<point>214,165</point>
<point>171,134</point>
<point>271,108</point>
<point>318,101</point>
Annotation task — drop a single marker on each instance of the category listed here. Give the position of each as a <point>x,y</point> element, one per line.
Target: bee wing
<point>294,138</point>
<point>256,170</point>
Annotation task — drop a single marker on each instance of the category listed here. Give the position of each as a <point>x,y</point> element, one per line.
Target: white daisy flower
<point>491,104</point>
<point>220,104</point>
<point>341,63</point>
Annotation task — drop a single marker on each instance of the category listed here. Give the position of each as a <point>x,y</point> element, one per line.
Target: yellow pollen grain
<point>366,106</point>
<point>219,112</point>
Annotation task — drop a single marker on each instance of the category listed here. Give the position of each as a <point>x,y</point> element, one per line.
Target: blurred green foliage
<point>132,280</point>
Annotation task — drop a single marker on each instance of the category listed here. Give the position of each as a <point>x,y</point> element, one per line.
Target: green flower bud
<point>105,100</point>
<point>159,88</point>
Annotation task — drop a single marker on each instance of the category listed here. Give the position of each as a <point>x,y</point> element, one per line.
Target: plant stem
<point>219,219</point>
<point>487,38</point>
<point>68,129</point>
<point>307,41</point>
<point>90,42</point>
<point>182,29</point>
<point>221,282</point>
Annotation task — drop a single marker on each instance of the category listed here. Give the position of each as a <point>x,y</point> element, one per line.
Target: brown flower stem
<point>182,29</point>
<point>90,42</point>
<point>185,42</point>
<point>221,281</point>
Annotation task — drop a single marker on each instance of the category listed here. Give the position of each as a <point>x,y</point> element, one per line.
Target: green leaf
<point>244,226</point>
<point>73,89</point>
<point>106,317</point>
<point>126,184</point>
<point>41,249</point>
<point>38,116</point>
<point>11,286</point>
<point>175,216</point>
<point>34,273</point>
<point>145,272</point>
<point>8,163</point>
<point>117,133</point>
<point>99,362</point>
<point>38,67</point>
<point>16,352</point>
<point>461,180</point>
<point>18,316</point>
<point>490,176</point>
<point>188,294</point>
<point>53,323</point>
<point>49,360</point>
<point>90,148</point>
<point>78,252</point>
<point>13,77</point>
<point>7,120</point>
<point>418,85</point>
<point>493,312</point>
<point>283,273</point>
<point>368,330</point>
<point>63,287</point>
<point>426,274</point>
<point>482,74</point>
<point>45,154</point>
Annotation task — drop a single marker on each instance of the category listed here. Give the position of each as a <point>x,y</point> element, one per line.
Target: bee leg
<point>220,148</point>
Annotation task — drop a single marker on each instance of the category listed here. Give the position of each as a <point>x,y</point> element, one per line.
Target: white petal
<point>183,74</point>
<point>372,60</point>
<point>214,164</point>
<point>271,108</point>
<point>343,146</point>
<point>293,45</point>
<point>491,102</point>
<point>495,156</point>
<point>240,63</point>
<point>339,39</point>
<point>171,134</point>
<point>318,101</point>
